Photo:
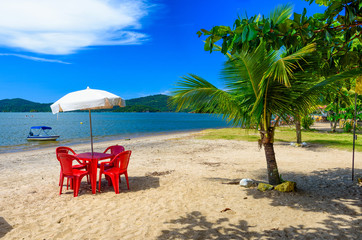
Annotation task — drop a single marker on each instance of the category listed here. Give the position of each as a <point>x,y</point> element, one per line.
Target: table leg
<point>94,175</point>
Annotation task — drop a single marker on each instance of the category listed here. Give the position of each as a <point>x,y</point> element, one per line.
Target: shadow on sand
<point>317,191</point>
<point>5,227</point>
<point>321,191</point>
<point>135,184</point>
<point>195,226</point>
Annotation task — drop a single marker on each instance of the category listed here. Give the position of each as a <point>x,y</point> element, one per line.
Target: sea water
<point>73,127</point>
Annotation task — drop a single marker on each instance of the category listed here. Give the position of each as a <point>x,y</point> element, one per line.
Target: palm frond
<point>281,13</point>
<point>283,67</point>
<point>197,94</point>
<point>350,74</point>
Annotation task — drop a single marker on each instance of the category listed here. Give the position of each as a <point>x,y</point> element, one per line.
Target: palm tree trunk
<point>267,141</point>
<point>298,130</point>
<point>273,174</point>
<point>334,126</point>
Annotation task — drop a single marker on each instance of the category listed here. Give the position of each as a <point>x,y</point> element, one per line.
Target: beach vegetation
<point>265,55</point>
<point>285,135</point>
<point>337,32</point>
<point>257,87</point>
<point>307,122</point>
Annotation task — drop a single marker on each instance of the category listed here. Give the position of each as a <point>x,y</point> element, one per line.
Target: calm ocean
<point>73,127</point>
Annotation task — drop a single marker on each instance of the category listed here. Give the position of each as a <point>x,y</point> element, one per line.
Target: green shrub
<point>307,121</point>
<point>347,127</point>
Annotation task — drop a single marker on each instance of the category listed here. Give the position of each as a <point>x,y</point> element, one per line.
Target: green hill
<point>154,103</point>
<point>21,105</point>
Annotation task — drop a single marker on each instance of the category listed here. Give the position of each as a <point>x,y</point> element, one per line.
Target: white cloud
<point>62,27</point>
<point>33,58</point>
<point>167,92</point>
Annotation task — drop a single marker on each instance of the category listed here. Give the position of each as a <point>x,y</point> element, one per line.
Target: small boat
<point>41,133</point>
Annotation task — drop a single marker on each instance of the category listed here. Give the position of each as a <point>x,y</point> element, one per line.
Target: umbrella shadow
<point>196,226</point>
<point>5,227</point>
<point>329,191</point>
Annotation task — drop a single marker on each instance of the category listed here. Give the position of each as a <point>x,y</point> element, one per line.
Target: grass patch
<point>342,141</point>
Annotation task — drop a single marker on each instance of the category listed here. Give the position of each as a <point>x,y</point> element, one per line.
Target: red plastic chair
<point>115,149</point>
<point>120,165</point>
<point>67,150</point>
<point>68,171</point>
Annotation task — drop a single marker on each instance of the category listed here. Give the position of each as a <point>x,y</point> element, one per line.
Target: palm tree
<point>257,84</point>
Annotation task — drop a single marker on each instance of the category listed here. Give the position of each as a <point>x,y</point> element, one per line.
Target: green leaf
<point>245,34</point>
<point>252,33</point>
<point>340,19</point>
<point>223,30</point>
<point>319,16</point>
<point>297,17</point>
<point>199,33</point>
<point>239,30</point>
<point>351,15</point>
<point>237,23</point>
<point>328,36</point>
<point>224,47</point>
<point>304,12</point>
<point>207,44</point>
<point>206,32</point>
<point>266,27</point>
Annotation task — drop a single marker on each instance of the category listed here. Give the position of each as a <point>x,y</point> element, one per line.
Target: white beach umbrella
<point>87,99</point>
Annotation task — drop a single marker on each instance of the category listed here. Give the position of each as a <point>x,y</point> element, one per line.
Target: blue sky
<point>131,48</point>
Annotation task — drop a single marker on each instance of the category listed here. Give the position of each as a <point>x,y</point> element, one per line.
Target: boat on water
<point>41,133</point>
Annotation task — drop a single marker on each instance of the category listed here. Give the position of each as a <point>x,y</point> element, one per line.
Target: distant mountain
<point>21,105</point>
<point>154,103</point>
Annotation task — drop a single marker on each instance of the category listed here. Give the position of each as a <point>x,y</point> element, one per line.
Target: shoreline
<point>102,139</point>
<point>321,127</point>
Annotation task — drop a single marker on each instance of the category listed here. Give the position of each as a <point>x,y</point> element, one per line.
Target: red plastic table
<point>94,163</point>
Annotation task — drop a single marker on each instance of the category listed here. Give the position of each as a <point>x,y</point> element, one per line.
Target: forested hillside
<point>22,105</point>
<point>154,103</point>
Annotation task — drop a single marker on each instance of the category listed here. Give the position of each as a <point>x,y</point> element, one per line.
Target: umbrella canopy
<point>87,99</point>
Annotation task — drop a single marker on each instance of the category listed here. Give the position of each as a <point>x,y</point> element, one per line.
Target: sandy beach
<point>182,187</point>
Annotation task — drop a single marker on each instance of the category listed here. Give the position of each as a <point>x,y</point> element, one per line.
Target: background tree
<point>257,85</point>
<point>334,32</point>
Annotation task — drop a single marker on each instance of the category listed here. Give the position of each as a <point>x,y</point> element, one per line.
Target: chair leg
<point>88,177</point>
<point>115,182</point>
<point>100,182</point>
<point>77,180</point>
<point>109,180</point>
<point>126,175</point>
<point>76,183</point>
<point>61,185</point>
<point>60,178</point>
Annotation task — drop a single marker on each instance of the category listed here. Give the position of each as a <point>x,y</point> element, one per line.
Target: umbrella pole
<point>354,132</point>
<point>90,124</point>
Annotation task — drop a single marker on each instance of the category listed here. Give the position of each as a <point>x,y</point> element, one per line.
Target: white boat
<point>41,133</point>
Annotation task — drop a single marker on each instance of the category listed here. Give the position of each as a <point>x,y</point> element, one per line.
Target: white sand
<point>177,192</point>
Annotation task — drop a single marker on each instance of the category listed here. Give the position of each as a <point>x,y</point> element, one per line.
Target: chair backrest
<point>66,150</point>
<point>115,149</point>
<point>66,163</point>
<point>121,160</point>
